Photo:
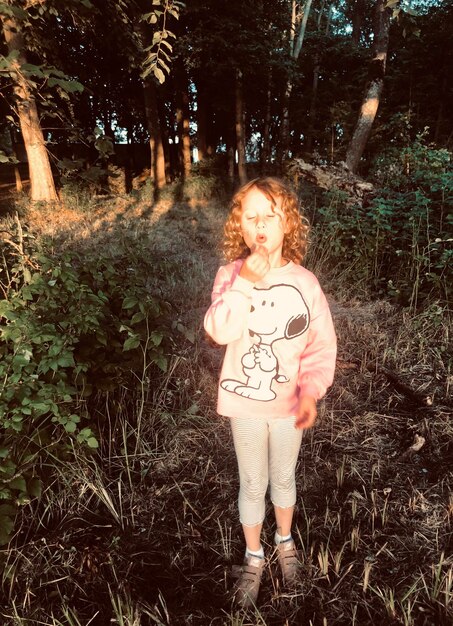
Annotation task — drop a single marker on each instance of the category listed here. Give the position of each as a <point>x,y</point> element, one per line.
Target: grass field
<point>146,531</point>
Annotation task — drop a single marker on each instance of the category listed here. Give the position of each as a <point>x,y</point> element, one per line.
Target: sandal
<point>248,585</point>
<point>289,562</point>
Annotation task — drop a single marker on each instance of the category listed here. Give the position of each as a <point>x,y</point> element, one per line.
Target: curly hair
<point>295,241</point>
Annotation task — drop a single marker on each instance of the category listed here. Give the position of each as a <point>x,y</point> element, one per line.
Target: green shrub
<point>71,328</point>
<point>400,244</point>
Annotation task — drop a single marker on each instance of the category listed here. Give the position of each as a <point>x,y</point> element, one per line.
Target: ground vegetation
<point>118,481</point>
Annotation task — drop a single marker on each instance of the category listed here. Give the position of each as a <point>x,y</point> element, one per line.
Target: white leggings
<point>267,451</point>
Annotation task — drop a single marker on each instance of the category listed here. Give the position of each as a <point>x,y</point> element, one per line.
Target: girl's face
<point>262,222</point>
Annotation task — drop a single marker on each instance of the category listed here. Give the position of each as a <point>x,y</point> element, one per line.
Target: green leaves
<point>78,326</point>
<point>7,516</point>
<point>398,245</point>
<point>69,86</point>
<point>9,10</point>
<point>158,59</point>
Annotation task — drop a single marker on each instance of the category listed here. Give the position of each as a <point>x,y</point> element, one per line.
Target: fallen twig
<point>403,388</point>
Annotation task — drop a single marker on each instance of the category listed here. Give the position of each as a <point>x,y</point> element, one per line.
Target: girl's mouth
<point>261,239</point>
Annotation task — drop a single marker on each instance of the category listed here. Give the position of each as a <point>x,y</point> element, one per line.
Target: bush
<point>400,244</point>
<point>72,328</point>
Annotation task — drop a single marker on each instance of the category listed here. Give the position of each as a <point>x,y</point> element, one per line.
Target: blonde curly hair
<point>295,241</point>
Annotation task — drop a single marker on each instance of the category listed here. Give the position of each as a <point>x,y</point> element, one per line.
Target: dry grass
<point>147,532</point>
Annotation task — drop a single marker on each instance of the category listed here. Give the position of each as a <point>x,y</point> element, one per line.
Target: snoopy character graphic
<point>277,313</point>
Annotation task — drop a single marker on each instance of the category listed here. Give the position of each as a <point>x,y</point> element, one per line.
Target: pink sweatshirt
<point>280,338</point>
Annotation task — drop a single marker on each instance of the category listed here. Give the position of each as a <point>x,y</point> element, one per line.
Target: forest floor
<point>150,536</point>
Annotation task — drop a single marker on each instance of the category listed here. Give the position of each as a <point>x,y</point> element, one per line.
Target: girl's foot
<point>249,579</point>
<point>289,562</point>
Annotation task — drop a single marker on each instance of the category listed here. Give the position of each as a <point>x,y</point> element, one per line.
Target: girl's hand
<point>256,265</point>
<point>306,413</point>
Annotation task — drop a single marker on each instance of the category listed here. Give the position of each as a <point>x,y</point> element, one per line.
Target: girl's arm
<point>317,363</point>
<point>227,316</point>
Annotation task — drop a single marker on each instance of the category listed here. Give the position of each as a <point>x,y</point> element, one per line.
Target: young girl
<point>279,361</point>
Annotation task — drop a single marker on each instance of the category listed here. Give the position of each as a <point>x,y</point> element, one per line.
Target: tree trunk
<point>183,119</point>
<point>17,176</point>
<point>41,177</point>
<point>284,129</point>
<point>230,141</point>
<point>358,17</point>
<point>314,91</point>
<point>155,140</point>
<point>201,122</point>
<point>240,128</point>
<point>314,98</point>
<point>295,48</point>
<point>266,149</point>
<point>373,93</point>
<point>166,133</point>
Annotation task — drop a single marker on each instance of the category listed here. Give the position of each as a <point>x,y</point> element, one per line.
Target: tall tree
<point>240,127</point>
<point>373,92</point>
<point>155,135</point>
<point>183,116</point>
<point>299,19</point>
<point>41,177</point>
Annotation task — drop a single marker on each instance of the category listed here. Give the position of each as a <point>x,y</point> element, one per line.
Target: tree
<point>41,178</point>
<point>240,128</point>
<point>299,18</point>
<point>183,117</point>
<point>373,92</point>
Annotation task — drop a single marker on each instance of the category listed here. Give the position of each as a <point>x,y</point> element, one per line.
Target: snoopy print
<point>277,313</point>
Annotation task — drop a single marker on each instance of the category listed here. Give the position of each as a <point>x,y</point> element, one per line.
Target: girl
<point>279,361</point>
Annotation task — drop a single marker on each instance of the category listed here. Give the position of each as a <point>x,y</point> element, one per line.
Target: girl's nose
<point>260,222</point>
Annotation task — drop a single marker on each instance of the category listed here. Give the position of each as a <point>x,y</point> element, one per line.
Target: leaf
<point>189,335</point>
<point>12,11</point>
<point>69,86</point>
<point>6,528</point>
<point>93,442</point>
<point>163,64</point>
<point>131,343</point>
<point>39,406</point>
<point>158,73</point>
<point>193,410</point>
<point>66,360</point>
<point>156,337</point>
<point>137,317</point>
<point>129,302</point>
<point>161,363</point>
<point>32,70</point>
<point>18,483</point>
<point>34,487</point>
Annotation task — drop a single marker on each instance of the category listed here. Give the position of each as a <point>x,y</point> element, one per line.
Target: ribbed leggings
<point>267,450</point>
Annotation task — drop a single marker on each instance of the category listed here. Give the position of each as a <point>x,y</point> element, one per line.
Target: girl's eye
<point>251,217</point>
<point>272,215</point>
